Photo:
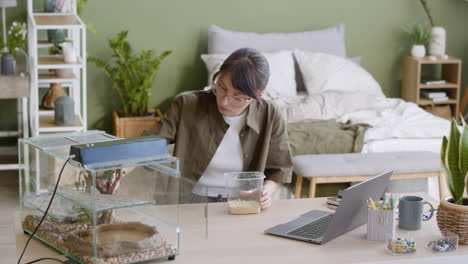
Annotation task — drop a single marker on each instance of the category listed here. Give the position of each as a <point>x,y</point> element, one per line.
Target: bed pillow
<point>282,80</point>
<point>329,40</point>
<point>323,72</point>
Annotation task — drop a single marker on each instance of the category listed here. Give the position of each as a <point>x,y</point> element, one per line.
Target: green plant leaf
<point>443,154</point>
<point>452,161</point>
<point>464,152</point>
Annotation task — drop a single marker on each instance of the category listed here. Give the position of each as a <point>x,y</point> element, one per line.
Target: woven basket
<point>454,218</point>
<point>129,127</point>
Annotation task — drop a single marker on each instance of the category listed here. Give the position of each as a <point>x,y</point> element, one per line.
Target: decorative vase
<point>69,53</point>
<point>454,218</point>
<point>64,111</point>
<point>55,91</point>
<point>8,64</point>
<point>418,51</point>
<point>56,36</point>
<point>437,43</point>
<point>49,6</point>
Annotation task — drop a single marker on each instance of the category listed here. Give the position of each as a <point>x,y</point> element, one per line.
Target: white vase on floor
<point>418,51</point>
<point>437,43</point>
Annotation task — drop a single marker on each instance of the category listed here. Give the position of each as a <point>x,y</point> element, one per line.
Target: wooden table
<point>240,239</point>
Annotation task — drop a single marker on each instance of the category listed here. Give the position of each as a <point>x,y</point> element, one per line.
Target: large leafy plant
<point>454,160</point>
<point>132,75</point>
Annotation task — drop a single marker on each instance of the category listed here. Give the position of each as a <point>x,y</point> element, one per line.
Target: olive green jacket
<point>195,125</point>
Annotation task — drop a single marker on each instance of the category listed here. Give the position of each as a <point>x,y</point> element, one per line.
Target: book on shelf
<point>431,80</point>
<point>439,99</point>
<point>430,95</point>
<point>334,200</point>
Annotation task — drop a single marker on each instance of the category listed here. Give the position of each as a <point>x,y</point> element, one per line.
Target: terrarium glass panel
<point>114,212</point>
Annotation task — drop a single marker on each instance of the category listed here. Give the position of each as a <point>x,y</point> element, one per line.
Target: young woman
<point>229,129</point>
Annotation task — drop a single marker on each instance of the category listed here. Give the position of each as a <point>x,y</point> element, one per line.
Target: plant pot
<point>129,127</point>
<point>8,64</point>
<point>69,54</point>
<point>418,51</point>
<point>56,36</point>
<point>454,218</point>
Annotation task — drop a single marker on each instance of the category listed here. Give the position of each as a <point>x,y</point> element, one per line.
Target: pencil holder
<point>380,224</point>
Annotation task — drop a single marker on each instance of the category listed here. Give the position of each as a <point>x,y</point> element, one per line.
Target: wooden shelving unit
<point>42,121</point>
<point>412,85</point>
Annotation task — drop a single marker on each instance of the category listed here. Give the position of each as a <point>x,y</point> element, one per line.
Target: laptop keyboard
<point>313,229</point>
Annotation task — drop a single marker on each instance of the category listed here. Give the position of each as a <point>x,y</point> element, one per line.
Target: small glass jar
<point>447,242</point>
<point>244,191</point>
<point>401,244</point>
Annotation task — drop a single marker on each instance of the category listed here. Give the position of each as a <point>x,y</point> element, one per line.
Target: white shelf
<point>56,62</point>
<point>47,123</point>
<point>56,21</point>
<point>52,78</point>
<point>41,44</point>
<point>42,120</point>
<point>47,85</point>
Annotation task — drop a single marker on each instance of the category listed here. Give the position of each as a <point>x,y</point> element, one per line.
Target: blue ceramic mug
<point>411,212</point>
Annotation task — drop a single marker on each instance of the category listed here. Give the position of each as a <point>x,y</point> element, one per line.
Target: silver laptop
<point>319,227</point>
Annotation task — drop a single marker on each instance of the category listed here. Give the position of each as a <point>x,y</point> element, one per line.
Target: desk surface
<point>240,239</point>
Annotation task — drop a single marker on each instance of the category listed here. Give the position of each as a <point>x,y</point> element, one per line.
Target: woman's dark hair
<point>249,71</point>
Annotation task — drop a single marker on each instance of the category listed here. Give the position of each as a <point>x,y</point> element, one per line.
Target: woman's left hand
<point>269,187</point>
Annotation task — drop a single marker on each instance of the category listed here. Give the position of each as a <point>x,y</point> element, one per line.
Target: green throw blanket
<point>325,136</point>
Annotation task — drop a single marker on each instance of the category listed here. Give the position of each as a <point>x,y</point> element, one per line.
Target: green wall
<point>373,31</point>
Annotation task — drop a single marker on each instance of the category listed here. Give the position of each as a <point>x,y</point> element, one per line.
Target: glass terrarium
<point>115,212</point>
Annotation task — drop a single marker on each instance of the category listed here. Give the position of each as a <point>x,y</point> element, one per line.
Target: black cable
<point>41,259</point>
<point>43,217</point>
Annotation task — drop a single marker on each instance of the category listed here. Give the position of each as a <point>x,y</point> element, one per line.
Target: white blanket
<point>389,117</point>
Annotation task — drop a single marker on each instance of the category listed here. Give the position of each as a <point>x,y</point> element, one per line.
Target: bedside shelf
<point>429,102</point>
<point>438,86</point>
<point>426,60</point>
<point>412,86</point>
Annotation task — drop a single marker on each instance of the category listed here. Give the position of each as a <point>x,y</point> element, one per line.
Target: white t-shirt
<point>228,158</point>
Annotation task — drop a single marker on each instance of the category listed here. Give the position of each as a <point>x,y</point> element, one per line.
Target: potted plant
<point>452,214</point>
<point>15,41</point>
<point>419,35</point>
<point>132,76</point>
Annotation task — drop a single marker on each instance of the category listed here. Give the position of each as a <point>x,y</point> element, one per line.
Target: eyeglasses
<point>235,101</point>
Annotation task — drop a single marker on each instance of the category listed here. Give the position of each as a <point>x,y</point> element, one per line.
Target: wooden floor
<point>8,203</point>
